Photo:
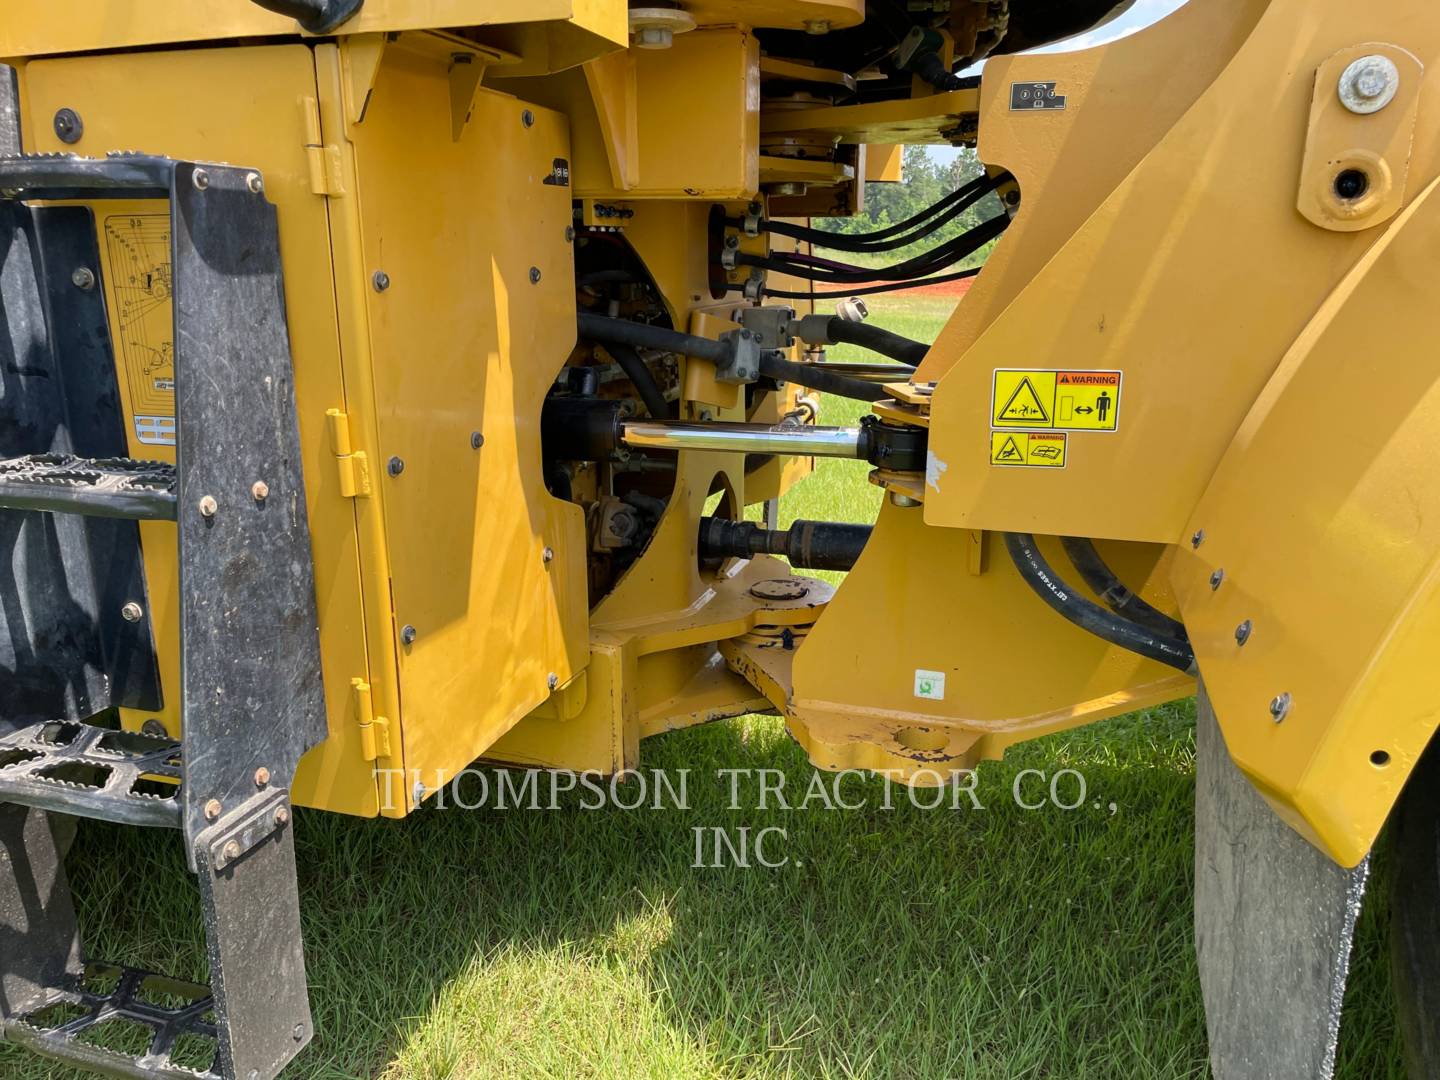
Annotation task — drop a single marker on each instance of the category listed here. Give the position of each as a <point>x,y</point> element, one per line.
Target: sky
<point>1143,14</point>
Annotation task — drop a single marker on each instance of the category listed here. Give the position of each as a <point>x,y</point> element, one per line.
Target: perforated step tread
<point>125,1022</point>
<point>80,769</point>
<point>99,487</point>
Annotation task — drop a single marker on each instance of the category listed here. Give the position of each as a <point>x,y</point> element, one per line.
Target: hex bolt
<point>476,440</point>
<point>1198,538</point>
<point>1243,631</point>
<point>254,183</point>
<point>407,635</point>
<point>817,27</point>
<point>154,727</point>
<point>548,554</point>
<point>552,680</point>
<point>68,126</point>
<point>299,1032</point>
<point>260,491</point>
<point>380,280</point>
<point>1280,708</point>
<point>208,506</point>
<point>527,118</point>
<point>231,850</point>
<point>1217,577</point>
<point>83,278</point>
<point>901,500</point>
<point>1369,84</point>
<point>132,612</point>
<point>262,776</point>
<point>282,815</point>
<point>534,275</point>
<point>569,234</point>
<point>212,809</point>
<point>395,466</point>
<point>200,178</point>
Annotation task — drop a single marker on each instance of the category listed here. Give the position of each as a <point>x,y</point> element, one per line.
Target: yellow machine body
<point>435,164</point>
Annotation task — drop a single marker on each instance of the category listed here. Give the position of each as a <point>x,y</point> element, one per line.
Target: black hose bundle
<point>844,332</point>
<point>1042,579</point>
<point>941,279</point>
<point>1112,591</point>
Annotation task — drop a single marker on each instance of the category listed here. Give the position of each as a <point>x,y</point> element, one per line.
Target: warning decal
<point>1067,400</point>
<point>1032,449</point>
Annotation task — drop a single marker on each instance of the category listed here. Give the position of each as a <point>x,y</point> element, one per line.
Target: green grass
<point>899,943</point>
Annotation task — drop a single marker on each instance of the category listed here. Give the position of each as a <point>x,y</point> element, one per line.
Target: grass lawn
<point>997,943</point>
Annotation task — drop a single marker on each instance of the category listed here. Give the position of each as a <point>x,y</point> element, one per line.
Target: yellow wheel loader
<point>384,384</point>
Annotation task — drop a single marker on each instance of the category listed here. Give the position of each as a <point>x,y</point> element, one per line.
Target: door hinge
<point>323,159</point>
<point>374,730</point>
<point>353,465</point>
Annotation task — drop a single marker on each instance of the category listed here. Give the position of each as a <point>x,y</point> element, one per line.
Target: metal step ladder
<point>75,639</point>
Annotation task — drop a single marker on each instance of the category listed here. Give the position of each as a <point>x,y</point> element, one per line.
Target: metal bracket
<point>237,833</point>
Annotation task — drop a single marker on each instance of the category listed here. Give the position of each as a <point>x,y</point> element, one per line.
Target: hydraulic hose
<point>906,350</point>
<point>638,373</point>
<point>607,331</point>
<point>782,294</point>
<point>816,378</point>
<point>1042,579</point>
<point>1112,591</point>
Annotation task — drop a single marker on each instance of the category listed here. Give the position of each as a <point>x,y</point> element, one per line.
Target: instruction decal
<point>1035,96</point>
<point>1029,449</point>
<point>1063,400</point>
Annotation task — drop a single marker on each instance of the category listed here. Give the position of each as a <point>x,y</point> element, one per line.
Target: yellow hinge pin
<point>374,730</point>
<point>323,160</point>
<point>352,465</point>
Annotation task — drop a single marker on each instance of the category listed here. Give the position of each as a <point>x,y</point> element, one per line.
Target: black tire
<point>1415,917</point>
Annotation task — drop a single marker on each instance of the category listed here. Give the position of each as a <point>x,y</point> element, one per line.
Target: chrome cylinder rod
<point>792,439</point>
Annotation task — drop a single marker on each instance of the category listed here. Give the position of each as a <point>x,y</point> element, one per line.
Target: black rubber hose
<point>906,350</point>
<point>896,236</point>
<point>316,16</point>
<point>947,254</point>
<point>640,374</point>
<point>1112,591</point>
<point>782,294</point>
<point>607,331</point>
<point>775,366</point>
<point>1047,585</point>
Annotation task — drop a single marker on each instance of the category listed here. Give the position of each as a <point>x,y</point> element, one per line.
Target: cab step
<point>92,772</point>
<point>94,487</point>
<point>124,1022</point>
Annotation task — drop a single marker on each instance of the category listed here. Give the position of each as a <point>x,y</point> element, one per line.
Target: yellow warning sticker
<point>1035,449</point>
<point>1067,400</point>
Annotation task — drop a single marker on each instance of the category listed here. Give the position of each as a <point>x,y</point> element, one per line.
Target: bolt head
<point>1280,708</point>
<point>380,280</point>
<point>132,612</point>
<point>548,554</point>
<point>534,275</point>
<point>154,727</point>
<point>282,815</point>
<point>1243,632</point>
<point>208,506</point>
<point>817,27</point>
<point>552,680</point>
<point>212,809</point>
<point>1369,84</point>
<point>299,1032</point>
<point>476,440</point>
<point>83,278</point>
<point>68,126</point>
<point>231,850</point>
<point>201,179</point>
<point>527,118</point>
<point>260,491</point>
<point>254,183</point>
<point>262,776</point>
<point>395,466</point>
<point>1198,538</point>
<point>569,234</point>
<point>655,37</point>
<point>407,635</point>
<point>1217,577</point>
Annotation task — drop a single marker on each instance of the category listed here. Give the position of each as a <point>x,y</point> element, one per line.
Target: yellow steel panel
<point>1122,295</point>
<point>779,14</point>
<point>38,27</point>
<point>236,105</point>
<point>1328,535</point>
<point>1120,100</point>
<point>1013,669</point>
<point>478,317</point>
<point>884,163</point>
